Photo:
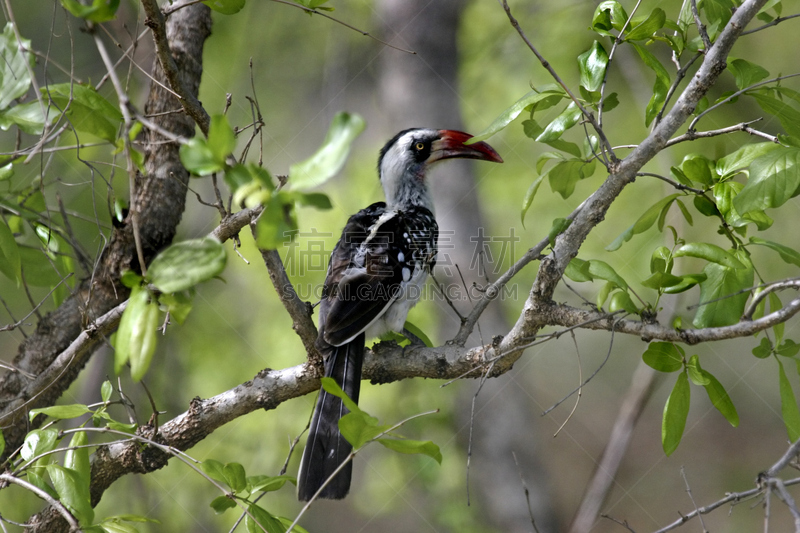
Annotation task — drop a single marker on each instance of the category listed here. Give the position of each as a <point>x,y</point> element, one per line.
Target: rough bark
<point>159,201</point>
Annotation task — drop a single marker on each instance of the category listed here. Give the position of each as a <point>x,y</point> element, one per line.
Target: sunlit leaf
<point>675,412</point>
<point>235,476</point>
<point>186,264</point>
<point>567,119</point>
<point>592,65</point>
<point>742,158</point>
<point>645,29</point>
<point>506,117</point>
<point>330,157</point>
<point>663,356</point>
<point>529,195</point>
<point>37,442</point>
<point>709,252</point>
<point>220,504</point>
<point>73,492</point>
<point>417,332</point>
<point>774,179</point>
<point>263,519</point>
<point>789,410</point>
<point>746,73</point>
<point>28,117</point>
<point>359,428</point>
<point>643,223</point>
<point>720,399</point>
<point>88,111</point>
<point>414,447</point>
<point>60,412</point>
<point>661,85</point>
<point>14,74</point>
<point>696,373</point>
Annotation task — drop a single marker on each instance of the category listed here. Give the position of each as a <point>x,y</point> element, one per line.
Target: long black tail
<point>326,448</point>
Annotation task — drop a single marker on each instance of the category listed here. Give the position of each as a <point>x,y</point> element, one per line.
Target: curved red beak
<point>451,145</point>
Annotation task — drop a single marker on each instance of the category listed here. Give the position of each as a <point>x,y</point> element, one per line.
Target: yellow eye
<point>419,146</point>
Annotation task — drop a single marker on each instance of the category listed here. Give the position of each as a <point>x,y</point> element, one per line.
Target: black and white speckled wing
<point>378,254</point>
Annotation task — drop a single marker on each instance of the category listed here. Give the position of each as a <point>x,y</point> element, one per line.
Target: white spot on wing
<point>406,274</point>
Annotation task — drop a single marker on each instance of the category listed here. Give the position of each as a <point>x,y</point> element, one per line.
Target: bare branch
<point>156,22</point>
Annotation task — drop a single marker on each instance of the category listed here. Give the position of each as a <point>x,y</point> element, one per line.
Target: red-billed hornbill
<point>376,274</point>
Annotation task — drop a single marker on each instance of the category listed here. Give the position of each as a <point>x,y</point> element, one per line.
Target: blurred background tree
<point>469,65</point>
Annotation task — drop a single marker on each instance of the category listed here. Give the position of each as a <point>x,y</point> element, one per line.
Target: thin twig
<point>701,28</point>
<point>546,64</point>
<point>362,32</point>
<point>775,22</point>
<point>689,492</point>
<point>526,491</point>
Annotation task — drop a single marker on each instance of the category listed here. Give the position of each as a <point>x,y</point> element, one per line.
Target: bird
<point>376,274</point>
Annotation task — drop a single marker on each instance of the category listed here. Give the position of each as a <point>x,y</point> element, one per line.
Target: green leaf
<point>77,457</point>
<point>2,443</point>
<point>578,270</point>
<point>764,348</point>
<point>740,159</point>
<point>331,387</point>
<point>565,175</point>
<point>178,304</point>
<point>720,399</point>
<point>608,15</point>
<point>788,348</point>
<point>417,332</point>
<point>414,447</point>
<point>643,223</point>
<point>10,260</point>
<point>687,282</point>
<point>136,335</point>
<point>723,294</point>
<point>662,280</point>
<point>221,504</point>
<point>359,428</point>
<point>60,412</point>
<point>746,73</point>
<point>528,200</point>
<point>709,252</point>
<point>14,75</point>
<point>533,130</point>
<point>263,519</point>
<point>661,85</point>
<point>558,227</point>
<point>330,157</point>
<point>602,270</point>
<point>622,300</point>
<point>789,410</point>
<point>602,294</point>
<point>37,442</point>
<point>6,172</point>
<point>198,157</point>
<point>269,483</point>
<point>221,140</point>
<point>774,178</point>
<point>675,412</point>
<point>99,11</point>
<point>663,356</point>
<point>105,390</point>
<point>312,199</point>
<point>235,476</point>
<point>507,117</point>
<point>567,119</point>
<point>592,65</point>
<point>718,11</point>
<point>277,224</point>
<point>186,264</point>
<point>86,109</point>
<point>73,492</point>
<point>788,115</point>
<point>696,373</point>
<point>28,117</point>
<point>288,522</point>
<point>214,469</point>
<point>645,29</point>
<point>226,7</point>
